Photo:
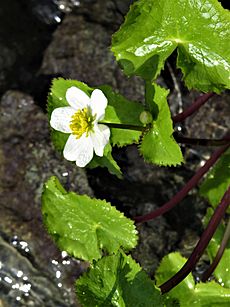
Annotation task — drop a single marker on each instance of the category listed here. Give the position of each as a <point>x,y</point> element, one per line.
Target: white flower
<point>80,119</point>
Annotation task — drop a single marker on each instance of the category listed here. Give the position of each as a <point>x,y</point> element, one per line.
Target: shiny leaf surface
<point>117,280</point>
<point>217,181</point>
<point>82,226</point>
<point>187,293</point>
<point>200,30</point>
<point>222,271</point>
<point>158,145</point>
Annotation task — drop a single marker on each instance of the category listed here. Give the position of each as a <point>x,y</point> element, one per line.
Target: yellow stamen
<point>81,122</point>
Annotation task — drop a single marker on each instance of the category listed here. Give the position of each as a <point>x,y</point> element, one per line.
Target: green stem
<point>124,126</point>
<point>149,94</point>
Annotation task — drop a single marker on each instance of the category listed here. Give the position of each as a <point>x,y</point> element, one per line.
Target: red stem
<point>219,254</point>
<point>193,108</point>
<point>184,191</point>
<point>201,245</point>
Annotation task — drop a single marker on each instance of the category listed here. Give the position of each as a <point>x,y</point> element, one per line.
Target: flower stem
<point>202,142</point>
<point>184,191</point>
<point>219,254</point>
<point>201,245</point>
<point>124,126</point>
<point>193,108</point>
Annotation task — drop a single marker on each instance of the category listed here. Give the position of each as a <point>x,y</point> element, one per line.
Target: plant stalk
<point>193,108</point>
<point>201,245</point>
<point>184,191</point>
<point>219,254</point>
<point>124,126</point>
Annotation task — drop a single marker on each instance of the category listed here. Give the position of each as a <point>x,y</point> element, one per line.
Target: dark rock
<point>23,37</point>
<point>27,161</point>
<point>109,13</point>
<point>80,50</point>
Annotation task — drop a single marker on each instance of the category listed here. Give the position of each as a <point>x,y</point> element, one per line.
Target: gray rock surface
<point>80,50</point>
<point>27,161</point>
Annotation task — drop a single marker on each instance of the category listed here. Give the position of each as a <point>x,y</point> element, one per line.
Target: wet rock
<point>27,161</point>
<point>66,6</point>
<point>23,37</point>
<point>212,120</point>
<point>23,284</point>
<point>80,50</point>
<point>45,11</point>
<point>7,61</point>
<point>109,13</point>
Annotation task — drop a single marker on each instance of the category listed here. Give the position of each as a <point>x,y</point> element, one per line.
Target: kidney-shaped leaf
<point>82,226</point>
<point>200,30</point>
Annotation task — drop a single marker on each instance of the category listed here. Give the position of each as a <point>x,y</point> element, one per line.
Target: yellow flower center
<point>82,121</point>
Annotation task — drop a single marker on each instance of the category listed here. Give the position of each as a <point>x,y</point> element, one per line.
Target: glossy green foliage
<point>122,111</point>
<point>200,30</point>
<point>222,271</point>
<point>187,292</point>
<point>117,280</point>
<point>217,181</point>
<point>82,226</point>
<point>158,145</point>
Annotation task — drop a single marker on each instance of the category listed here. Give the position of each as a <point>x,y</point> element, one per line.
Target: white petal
<point>77,98</point>
<point>60,119</point>
<point>98,103</point>
<point>79,150</point>
<point>100,138</point>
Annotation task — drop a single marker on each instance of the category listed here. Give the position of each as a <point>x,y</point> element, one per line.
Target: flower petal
<point>60,119</point>
<point>77,98</point>
<point>98,103</point>
<point>100,138</point>
<point>79,150</point>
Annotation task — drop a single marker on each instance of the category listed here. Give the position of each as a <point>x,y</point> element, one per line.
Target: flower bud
<point>146,117</point>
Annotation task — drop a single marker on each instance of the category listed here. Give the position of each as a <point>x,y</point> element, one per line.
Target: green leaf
<point>222,270</point>
<point>169,266</point>
<point>200,295</point>
<point>199,30</point>
<point>82,226</point>
<point>217,181</point>
<point>158,145</point>
<point>117,280</point>
<point>122,111</point>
